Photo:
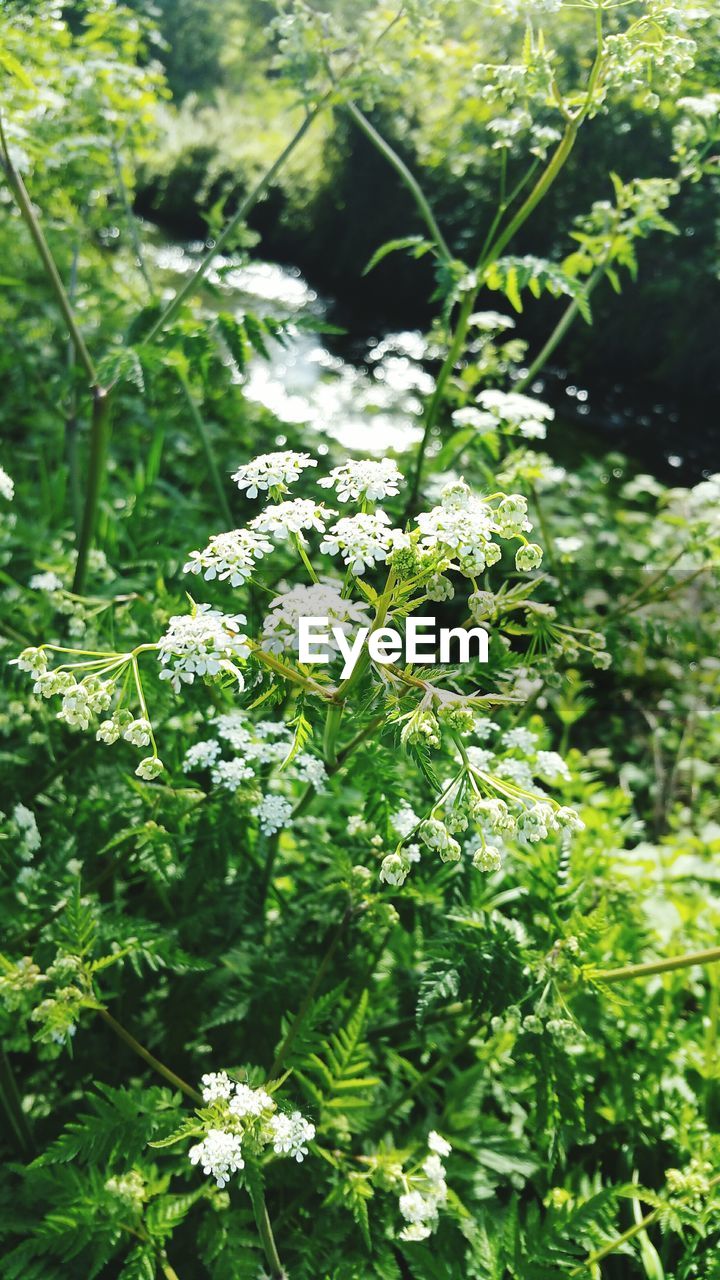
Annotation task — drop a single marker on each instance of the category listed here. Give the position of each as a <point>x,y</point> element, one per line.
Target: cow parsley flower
<point>230,774</point>
<point>215,1085</point>
<point>202,643</point>
<point>309,768</point>
<point>404,821</point>
<point>437,1144</point>
<point>293,517</point>
<point>290,1135</point>
<point>201,755</point>
<point>47,582</point>
<point>521,738</point>
<point>27,828</point>
<point>551,766</point>
<point>272,471</point>
<point>229,556</point>
<point>150,768</point>
<point>7,486</point>
<point>274,813</point>
<point>364,481</point>
<point>219,1155</point>
<point>137,732</point>
<point>521,413</point>
<point>247,1102</point>
<point>461,528</point>
<point>395,869</point>
<point>315,600</point>
<point>362,540</point>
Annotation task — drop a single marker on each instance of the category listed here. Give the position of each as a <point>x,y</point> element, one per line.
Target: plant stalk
<point>148,1057</point>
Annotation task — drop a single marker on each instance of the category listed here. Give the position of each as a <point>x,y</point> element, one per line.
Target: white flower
<point>109,731</point>
<point>437,1144</point>
<point>250,1102</point>
<point>404,821</point>
<point>434,1171</point>
<point>46,582</point>
<point>461,527</point>
<point>137,732</point>
<point>24,819</point>
<point>293,517</point>
<point>7,486</point>
<point>362,540</point>
<point>520,738</point>
<point>517,771</point>
<point>290,1135</point>
<point>229,556</point>
<point>231,773</point>
<point>219,1154</point>
<point>568,546</point>
<point>487,858</point>
<point>215,1085</point>
<point>202,643</point>
<point>394,869</point>
<point>310,769</point>
<point>415,1231</point>
<point>32,660</point>
<point>364,480</point>
<point>150,768</point>
<point>515,409</point>
<point>315,600</point>
<point>528,557</point>
<point>274,813</point>
<point>415,1208</point>
<point>472,417</point>
<point>534,823</point>
<point>484,727</point>
<point>551,766</point>
<point>201,755</point>
<point>272,471</point>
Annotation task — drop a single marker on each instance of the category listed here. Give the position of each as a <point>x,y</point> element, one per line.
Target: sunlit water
<point>369,408</point>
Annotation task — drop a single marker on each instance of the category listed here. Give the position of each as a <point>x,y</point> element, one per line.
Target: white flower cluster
<point>24,831</point>
<point>255,744</point>
<point>365,481</point>
<point>498,796</point>
<point>202,643</point>
<point>240,1114</point>
<point>272,472</point>
<point>229,556</point>
<point>463,525</point>
<point>274,812</point>
<point>517,412</point>
<point>316,600</point>
<point>7,486</point>
<point>362,541</point>
<point>293,517</point>
<point>426,1192</point>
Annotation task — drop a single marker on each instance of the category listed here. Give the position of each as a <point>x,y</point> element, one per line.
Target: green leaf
<point>418,244</point>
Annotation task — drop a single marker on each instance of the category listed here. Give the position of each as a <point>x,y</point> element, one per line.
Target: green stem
<point>148,1057</point>
<point>30,219</point>
<point>539,191</point>
<point>262,1220</point>
<point>558,333</point>
<point>593,1258</point>
<point>710,956</point>
<point>99,433</point>
<point>202,431</point>
<point>405,175</point>
<point>168,1271</point>
<point>12,1105</point>
<point>251,199</point>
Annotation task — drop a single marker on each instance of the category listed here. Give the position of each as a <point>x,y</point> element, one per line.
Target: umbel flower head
<point>272,471</point>
<point>238,1114</point>
<point>364,481</point>
<point>202,643</point>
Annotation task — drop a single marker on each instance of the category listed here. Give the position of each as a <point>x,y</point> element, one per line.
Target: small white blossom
<point>272,471</point>
<point>7,486</point>
<point>201,755</point>
<point>290,1135</point>
<point>150,768</point>
<point>202,643</point>
<point>219,1155</point>
<point>47,582</point>
<point>137,732</point>
<point>437,1144</point>
<point>394,869</point>
<point>231,773</point>
<point>405,820</point>
<point>362,540</point>
<point>274,813</point>
<point>229,556</point>
<point>281,628</point>
<point>520,738</point>
<point>310,769</point>
<point>364,480</point>
<point>215,1085</point>
<point>551,766</point>
<point>250,1102</point>
<point>293,517</point>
